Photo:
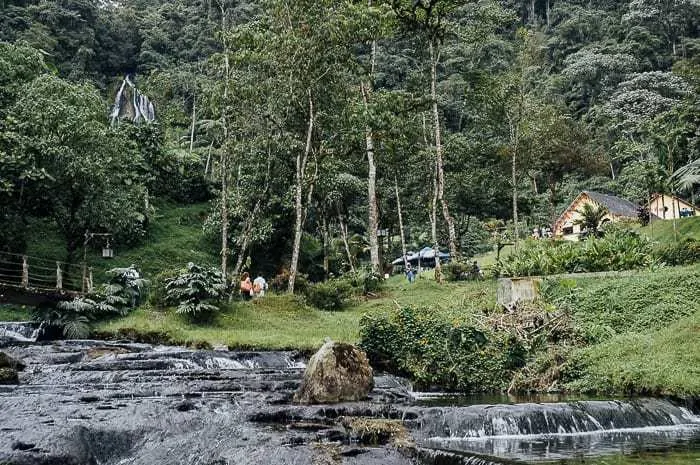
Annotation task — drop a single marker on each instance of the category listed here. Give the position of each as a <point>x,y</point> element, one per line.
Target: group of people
<point>252,289</point>
<point>542,233</point>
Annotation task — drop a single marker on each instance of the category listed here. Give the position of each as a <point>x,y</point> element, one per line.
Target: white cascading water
<point>138,108</point>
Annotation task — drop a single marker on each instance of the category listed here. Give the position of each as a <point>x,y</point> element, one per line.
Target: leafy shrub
<point>125,287</point>
<point>456,270</point>
<point>617,250</point>
<point>72,319</point>
<point>197,290</point>
<point>280,282</point>
<point>686,252</point>
<point>329,295</point>
<point>365,281</point>
<point>158,295</point>
<point>440,349</point>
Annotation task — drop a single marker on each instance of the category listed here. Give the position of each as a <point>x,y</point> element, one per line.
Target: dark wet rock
<point>337,372</point>
<point>185,406</point>
<point>10,362</point>
<point>19,445</point>
<point>8,376</point>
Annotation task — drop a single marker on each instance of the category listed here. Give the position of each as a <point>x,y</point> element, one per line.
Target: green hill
<point>174,238</point>
<point>662,230</point>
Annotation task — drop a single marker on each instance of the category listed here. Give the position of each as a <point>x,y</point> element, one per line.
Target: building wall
<point>668,208</point>
<point>566,229</point>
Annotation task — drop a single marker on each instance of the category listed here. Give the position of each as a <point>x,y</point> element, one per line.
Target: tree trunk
<point>250,220</point>
<point>298,197</point>
<point>515,201</point>
<point>373,217</point>
<point>344,236</point>
<point>194,119</point>
<point>324,233</point>
<point>401,233</point>
<point>224,152</point>
<point>433,213</point>
<point>439,165</point>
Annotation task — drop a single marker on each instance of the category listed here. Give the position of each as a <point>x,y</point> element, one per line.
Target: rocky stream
<point>119,403</point>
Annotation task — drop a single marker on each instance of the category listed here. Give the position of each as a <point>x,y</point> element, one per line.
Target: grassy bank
<point>642,332</point>
<point>666,361</point>
<point>662,230</point>
<point>284,321</point>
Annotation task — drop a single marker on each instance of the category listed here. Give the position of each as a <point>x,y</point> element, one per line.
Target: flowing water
<point>118,403</point>
<point>19,331</point>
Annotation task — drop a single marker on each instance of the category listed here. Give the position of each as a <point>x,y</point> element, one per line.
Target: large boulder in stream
<point>8,369</point>
<point>8,362</point>
<point>338,372</point>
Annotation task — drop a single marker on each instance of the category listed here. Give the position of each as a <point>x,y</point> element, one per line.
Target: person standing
<point>259,286</point>
<point>410,274</point>
<point>246,286</point>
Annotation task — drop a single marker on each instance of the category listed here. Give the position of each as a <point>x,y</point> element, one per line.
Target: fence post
<point>84,277</point>
<point>59,276</point>
<point>25,272</point>
<point>90,281</point>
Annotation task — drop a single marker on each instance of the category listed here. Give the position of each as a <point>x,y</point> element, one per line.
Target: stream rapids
<point>119,403</point>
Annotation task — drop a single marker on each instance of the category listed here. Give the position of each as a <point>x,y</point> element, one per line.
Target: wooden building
<point>668,207</point>
<point>618,209</point>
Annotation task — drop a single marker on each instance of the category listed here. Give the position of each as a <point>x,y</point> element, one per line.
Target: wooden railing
<point>28,272</point>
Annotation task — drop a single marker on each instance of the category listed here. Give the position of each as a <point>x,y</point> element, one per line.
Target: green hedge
<point>440,349</point>
<point>330,295</point>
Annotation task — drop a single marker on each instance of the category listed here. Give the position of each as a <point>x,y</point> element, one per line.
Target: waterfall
<point>131,104</point>
<point>556,431</point>
<point>20,331</point>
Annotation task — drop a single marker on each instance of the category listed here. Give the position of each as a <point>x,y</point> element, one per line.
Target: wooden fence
<point>27,272</point>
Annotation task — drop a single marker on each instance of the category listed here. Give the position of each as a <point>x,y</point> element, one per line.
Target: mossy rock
<point>8,376</point>
<point>338,372</point>
<point>8,362</point>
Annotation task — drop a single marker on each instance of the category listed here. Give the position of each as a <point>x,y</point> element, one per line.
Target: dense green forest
<point>311,127</point>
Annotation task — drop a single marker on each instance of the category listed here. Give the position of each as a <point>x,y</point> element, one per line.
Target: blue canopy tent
<point>425,257</point>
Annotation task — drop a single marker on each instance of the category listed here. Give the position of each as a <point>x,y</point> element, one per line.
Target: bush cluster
<point>330,295</point>
<point>440,349</point>
<point>617,250</point>
<point>685,252</point>
<point>197,290</point>
<point>334,294</point>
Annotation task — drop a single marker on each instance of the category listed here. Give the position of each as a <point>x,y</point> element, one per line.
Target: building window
<point>567,230</point>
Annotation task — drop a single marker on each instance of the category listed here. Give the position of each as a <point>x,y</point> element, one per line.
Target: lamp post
<point>107,252</point>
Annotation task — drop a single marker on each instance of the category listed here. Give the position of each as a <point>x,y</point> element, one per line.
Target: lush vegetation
<point>615,334</point>
<point>313,142</point>
<point>616,249</point>
<point>287,321</point>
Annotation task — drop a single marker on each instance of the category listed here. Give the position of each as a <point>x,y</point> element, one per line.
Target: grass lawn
<point>662,230</point>
<point>285,322</point>
<point>658,362</point>
<point>11,312</point>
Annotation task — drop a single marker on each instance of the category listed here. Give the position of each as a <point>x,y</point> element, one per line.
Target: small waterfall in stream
<point>19,331</point>
<point>131,104</point>
<point>557,431</point>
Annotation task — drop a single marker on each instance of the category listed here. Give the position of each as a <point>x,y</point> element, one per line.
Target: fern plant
<point>125,288</point>
<point>197,290</point>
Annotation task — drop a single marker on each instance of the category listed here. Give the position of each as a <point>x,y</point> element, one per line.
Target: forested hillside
<point>325,133</point>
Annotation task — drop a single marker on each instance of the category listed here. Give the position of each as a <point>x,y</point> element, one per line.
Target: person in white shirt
<point>259,286</point>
